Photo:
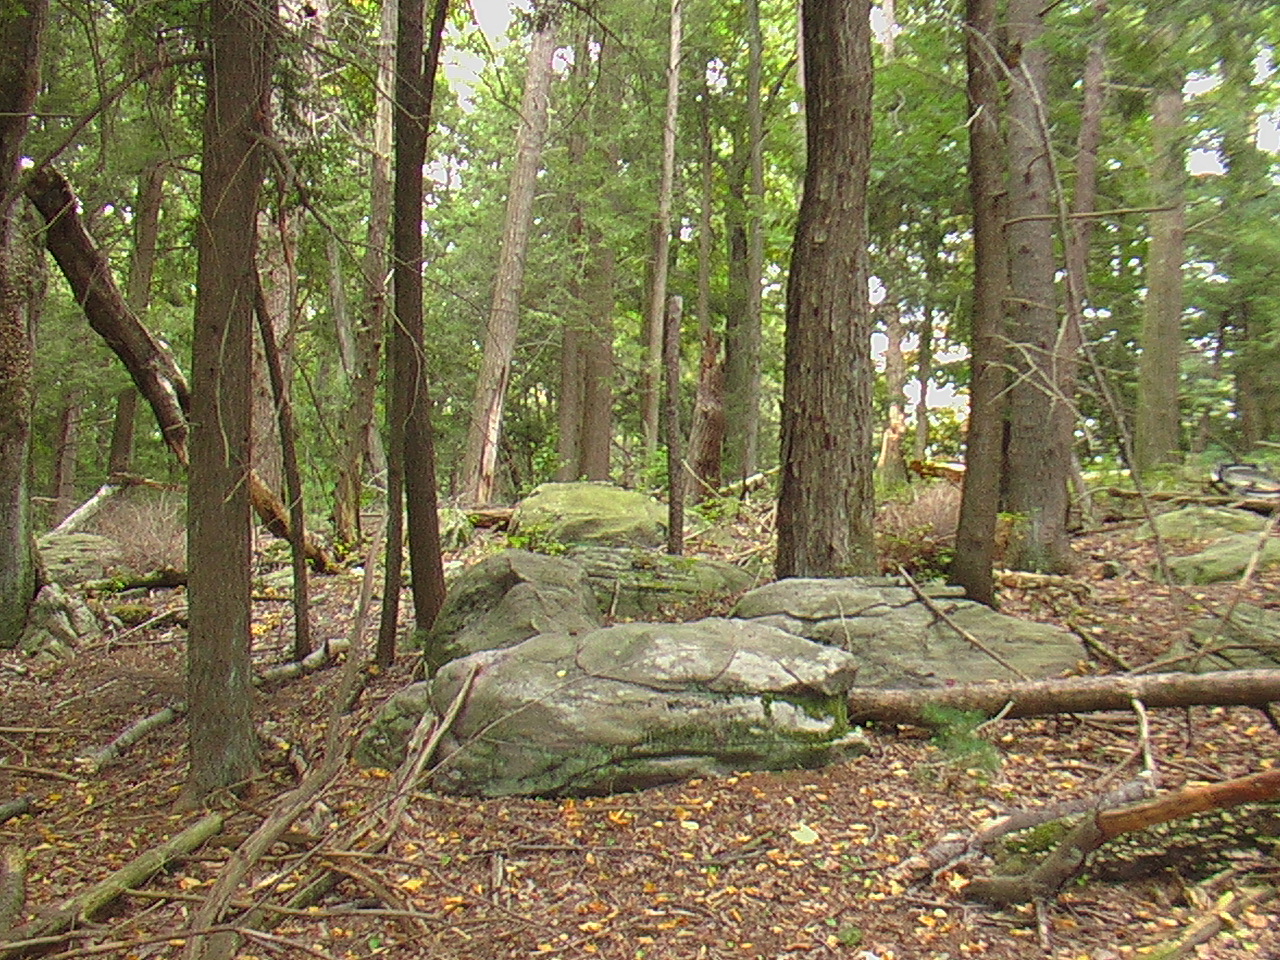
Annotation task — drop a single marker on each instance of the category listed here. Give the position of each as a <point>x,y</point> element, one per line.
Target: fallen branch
<point>309,664</point>
<point>13,888</point>
<point>89,904</point>
<point>14,808</point>
<point>1067,859</point>
<point>1039,698</point>
<point>1226,909</point>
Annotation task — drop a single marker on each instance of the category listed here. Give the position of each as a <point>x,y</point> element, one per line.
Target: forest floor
<point>762,865</point>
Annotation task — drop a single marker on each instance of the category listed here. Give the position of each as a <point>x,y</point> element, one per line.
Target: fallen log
<point>87,905</point>
<point>1041,698</point>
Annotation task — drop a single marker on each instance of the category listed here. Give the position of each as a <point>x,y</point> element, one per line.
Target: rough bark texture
<point>825,504</point>
<point>891,466</point>
<point>1158,426</point>
<point>21,28</point>
<point>652,386</point>
<point>1039,698</point>
<point>671,424</point>
<point>479,465</point>
<point>1039,457</point>
<point>222,743</point>
<point>980,498</point>
<point>412,474</point>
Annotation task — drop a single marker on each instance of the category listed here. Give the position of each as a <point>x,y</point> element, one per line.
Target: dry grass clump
<point>917,530</point>
<point>150,527</point>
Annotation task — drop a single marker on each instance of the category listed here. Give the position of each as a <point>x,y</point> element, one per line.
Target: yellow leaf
<point>413,883</point>
<point>804,834</point>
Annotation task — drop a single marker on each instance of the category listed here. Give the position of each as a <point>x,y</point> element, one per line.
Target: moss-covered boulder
<point>507,598</point>
<point>634,583</point>
<point>1197,522</point>
<point>557,515</point>
<point>627,707</point>
<point>898,641</point>
<point>1224,559</point>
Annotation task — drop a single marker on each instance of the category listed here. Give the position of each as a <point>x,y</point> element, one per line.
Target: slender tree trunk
<point>411,473</point>
<point>1038,459</point>
<point>707,431</point>
<point>146,236</point>
<point>890,467</point>
<point>825,505</point>
<point>924,376</point>
<point>662,235</point>
<point>671,424</point>
<point>480,460</point>
<point>66,456</point>
<point>361,439</point>
<point>223,744</point>
<point>980,496</point>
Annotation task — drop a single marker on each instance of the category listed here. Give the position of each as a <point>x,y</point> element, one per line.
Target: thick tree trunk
<point>1038,457</point>
<point>222,743</point>
<point>825,505</point>
<point>980,498</point>
<point>21,30</point>
<point>479,463</point>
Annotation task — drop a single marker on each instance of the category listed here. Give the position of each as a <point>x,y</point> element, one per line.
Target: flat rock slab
<point>1224,559</point>
<point>70,558</point>
<point>639,584</point>
<point>899,642</point>
<point>627,707</point>
<point>1197,522</point>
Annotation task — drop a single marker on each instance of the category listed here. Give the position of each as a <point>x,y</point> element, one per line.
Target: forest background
<point>618,154</point>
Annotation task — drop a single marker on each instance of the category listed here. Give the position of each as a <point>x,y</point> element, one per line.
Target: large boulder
<point>71,558</point>
<point>632,583</point>
<point>898,641</point>
<point>1224,559</point>
<point>1196,522</point>
<point>507,598</point>
<point>559,514</point>
<point>57,623</point>
<point>1250,641</point>
<point>626,707</point>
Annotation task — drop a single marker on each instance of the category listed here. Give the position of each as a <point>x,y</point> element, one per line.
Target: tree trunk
<point>662,236</point>
<point>480,460</point>
<point>980,497</point>
<point>924,376</point>
<point>826,502</point>
<point>707,429</point>
<point>671,424</point>
<point>1040,698</point>
<point>66,455</point>
<point>890,466</point>
<point>277,254</point>
<point>412,476</point>
<point>21,30</point>
<point>1158,426</point>
<point>223,744</point>
<point>1038,458</point>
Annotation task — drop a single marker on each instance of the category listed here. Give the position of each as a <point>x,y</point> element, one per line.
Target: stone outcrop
<point>626,707</point>
<point>898,641</point>
<point>556,515</point>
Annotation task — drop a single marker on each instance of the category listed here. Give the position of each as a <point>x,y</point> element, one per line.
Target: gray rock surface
<point>897,641</point>
<point>508,598</point>
<point>561,514</point>
<point>636,583</point>
<point>1197,522</point>
<point>70,558</point>
<point>57,623</point>
<point>1250,642</point>
<point>626,707</point>
<point>1223,559</point>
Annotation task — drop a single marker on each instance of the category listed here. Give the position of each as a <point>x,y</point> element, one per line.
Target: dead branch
<point>309,664</point>
<point>13,888</point>
<point>1226,909</point>
<point>94,762</point>
<point>15,808</point>
<point>1038,698</point>
<point>1069,857</point>
<point>87,905</point>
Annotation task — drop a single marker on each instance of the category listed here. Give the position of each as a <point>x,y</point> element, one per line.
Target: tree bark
<point>652,385</point>
<point>891,467</point>
<point>671,424</point>
<point>223,744</point>
<point>1038,458</point>
<point>984,438</point>
<point>411,473</point>
<point>1157,420</point>
<point>825,505</point>
<point>21,31</point>
<point>1040,698</point>
<point>479,463</point>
